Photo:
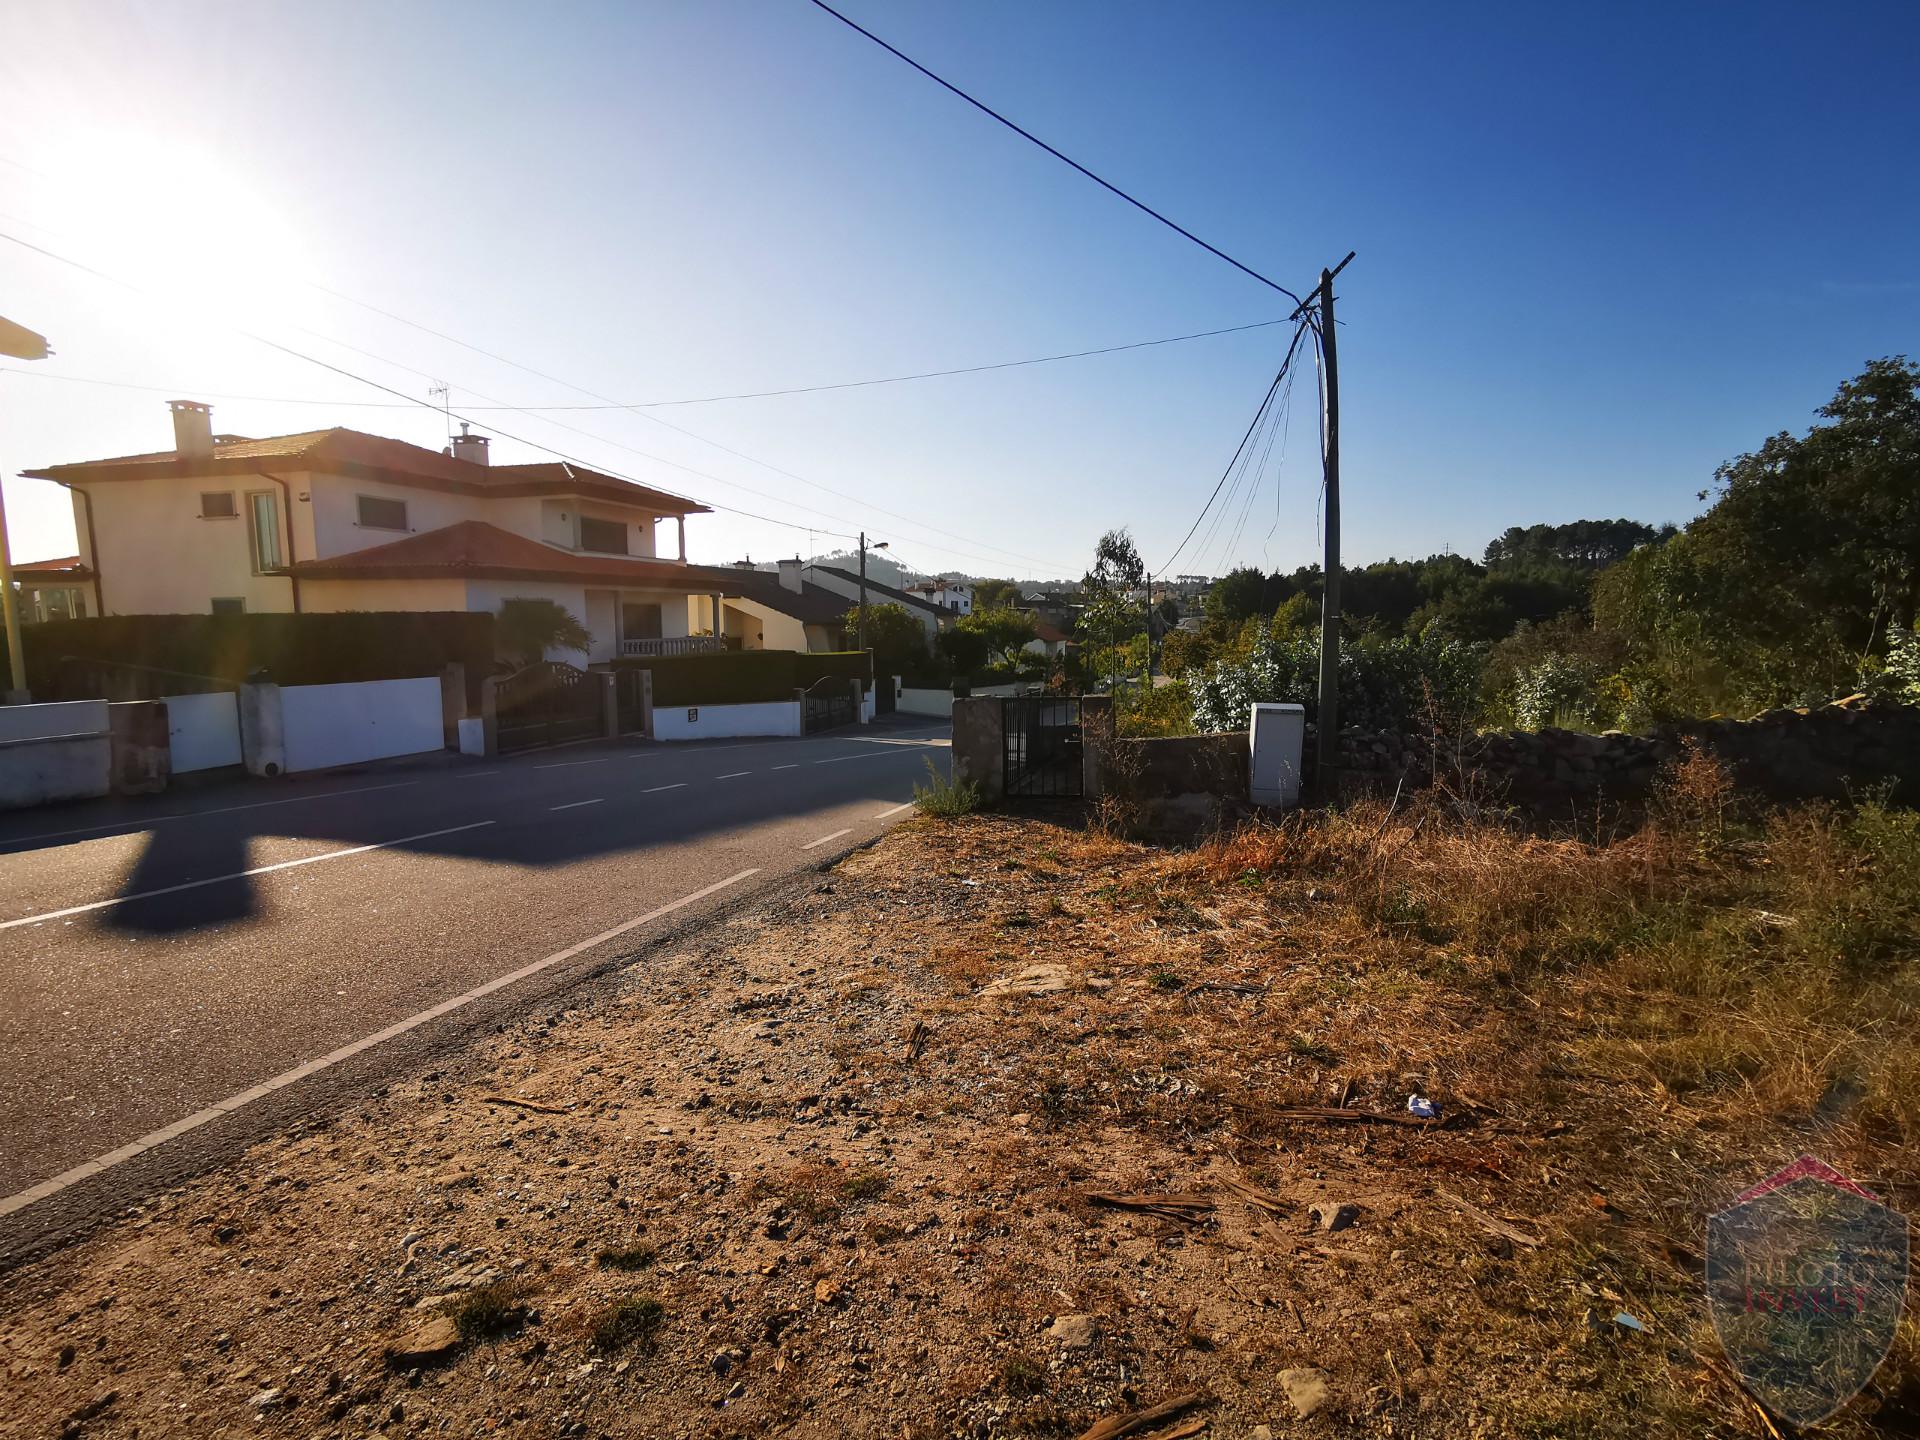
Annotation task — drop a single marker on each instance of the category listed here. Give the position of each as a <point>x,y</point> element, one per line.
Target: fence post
<point>646,703</point>
<point>609,703</point>
<point>979,739</point>
<point>490,715</point>
<point>453,701</point>
<point>859,702</point>
<point>142,748</point>
<point>263,743</point>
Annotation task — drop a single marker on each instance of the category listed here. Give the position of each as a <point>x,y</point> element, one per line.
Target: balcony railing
<point>679,645</point>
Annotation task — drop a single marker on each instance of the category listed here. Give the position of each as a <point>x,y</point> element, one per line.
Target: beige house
<point>333,520</point>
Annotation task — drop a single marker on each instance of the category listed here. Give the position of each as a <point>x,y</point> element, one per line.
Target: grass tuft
<point>626,1322</point>
<point>945,797</point>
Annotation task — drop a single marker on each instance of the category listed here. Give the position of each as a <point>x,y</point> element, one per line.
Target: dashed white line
<point>814,844</point>
<point>863,755</point>
<point>59,1182</point>
<point>794,766</point>
<point>894,811</point>
<point>576,804</point>
<point>655,790</point>
<point>237,875</point>
<point>138,825</point>
<point>565,764</point>
<point>733,775</point>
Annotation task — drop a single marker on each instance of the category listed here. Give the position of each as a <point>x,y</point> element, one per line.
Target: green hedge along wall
<point>743,677</point>
<point>291,649</point>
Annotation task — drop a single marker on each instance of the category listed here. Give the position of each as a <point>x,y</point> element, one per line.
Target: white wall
<point>321,596</point>
<point>714,722</point>
<point>940,702</point>
<point>326,725</point>
<point>157,556</point>
<point>203,731</point>
<point>336,513</point>
<point>487,595</point>
<point>38,766</point>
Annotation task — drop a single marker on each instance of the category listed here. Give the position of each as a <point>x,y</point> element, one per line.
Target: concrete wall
<point>203,731</point>
<point>758,626</point>
<point>979,753</point>
<point>713,722</point>
<point>327,725</point>
<point>157,556</point>
<point>54,752</point>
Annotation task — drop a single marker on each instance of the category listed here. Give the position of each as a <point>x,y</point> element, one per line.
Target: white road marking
<point>733,775</point>
<point>564,764</point>
<point>237,875</point>
<point>655,790</point>
<point>794,766</point>
<point>863,755</point>
<point>894,811</point>
<point>232,1103</point>
<point>812,844</point>
<point>576,804</point>
<point>138,825</point>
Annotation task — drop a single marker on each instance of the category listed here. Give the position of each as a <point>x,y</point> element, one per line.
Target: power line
<point>1238,450</point>
<point>1065,159</point>
<point>425,404</point>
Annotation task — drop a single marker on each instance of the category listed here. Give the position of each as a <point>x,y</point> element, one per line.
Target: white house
<point>846,584</point>
<point>953,596</point>
<point>335,519</point>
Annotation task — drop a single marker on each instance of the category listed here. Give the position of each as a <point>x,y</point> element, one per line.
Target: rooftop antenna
<point>445,396</point>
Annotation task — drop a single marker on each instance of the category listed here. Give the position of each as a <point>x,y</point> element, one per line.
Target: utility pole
<point>18,343</point>
<point>1149,630</point>
<point>1327,751</point>
<point>862,629</point>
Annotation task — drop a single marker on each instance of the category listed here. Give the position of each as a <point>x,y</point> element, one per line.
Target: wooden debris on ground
<point>1255,1196</point>
<point>1488,1222</point>
<point>523,1105</point>
<point>1117,1427</point>
<point>917,1039</point>
<point>1189,1209</point>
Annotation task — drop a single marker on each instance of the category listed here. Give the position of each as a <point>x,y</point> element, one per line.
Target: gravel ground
<point>980,1133</point>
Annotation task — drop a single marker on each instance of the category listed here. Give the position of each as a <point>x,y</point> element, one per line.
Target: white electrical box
<point>1276,735</point>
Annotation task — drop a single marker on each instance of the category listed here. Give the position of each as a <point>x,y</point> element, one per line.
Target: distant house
<point>331,520</point>
<point>1048,640</point>
<point>1060,608</point>
<point>53,590</point>
<point>846,583</point>
<point>953,596</point>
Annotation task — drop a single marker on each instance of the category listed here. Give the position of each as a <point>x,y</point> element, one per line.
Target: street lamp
<point>878,545</point>
<point>19,343</point>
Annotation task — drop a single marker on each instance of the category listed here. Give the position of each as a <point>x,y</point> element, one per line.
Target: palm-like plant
<point>527,628</point>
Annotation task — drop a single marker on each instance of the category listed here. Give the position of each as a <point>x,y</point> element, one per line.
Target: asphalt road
<point>163,958</point>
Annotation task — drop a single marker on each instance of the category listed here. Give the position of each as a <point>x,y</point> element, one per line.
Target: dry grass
<point>1680,1009</point>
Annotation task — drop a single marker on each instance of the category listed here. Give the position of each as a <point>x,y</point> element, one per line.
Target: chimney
<point>790,574</point>
<point>192,429</point>
<point>471,448</point>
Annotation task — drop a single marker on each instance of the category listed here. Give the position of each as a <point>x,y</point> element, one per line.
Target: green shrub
<point>944,796</point>
<point>1394,683</point>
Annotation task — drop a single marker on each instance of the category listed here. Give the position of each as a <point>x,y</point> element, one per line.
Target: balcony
<point>679,645</point>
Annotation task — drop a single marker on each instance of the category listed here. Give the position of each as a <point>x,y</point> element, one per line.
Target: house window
<point>229,605</point>
<point>263,514</point>
<point>379,513</point>
<point>217,505</point>
<point>604,537</point>
<point>639,621</point>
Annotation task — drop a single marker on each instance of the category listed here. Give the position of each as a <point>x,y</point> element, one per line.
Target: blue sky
<point>1601,249</point>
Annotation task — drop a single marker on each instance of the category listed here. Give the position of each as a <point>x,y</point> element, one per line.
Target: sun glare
<point>175,220</point>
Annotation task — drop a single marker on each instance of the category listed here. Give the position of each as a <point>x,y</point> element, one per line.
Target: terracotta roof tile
<point>473,548</point>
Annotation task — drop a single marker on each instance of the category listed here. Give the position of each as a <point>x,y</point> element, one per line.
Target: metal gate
<point>630,698</point>
<point>827,703</point>
<point>884,695</point>
<point>1042,746</point>
<point>546,704</point>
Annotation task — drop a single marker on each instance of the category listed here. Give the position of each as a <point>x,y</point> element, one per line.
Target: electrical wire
<point>1266,400</point>
<point>1025,134</point>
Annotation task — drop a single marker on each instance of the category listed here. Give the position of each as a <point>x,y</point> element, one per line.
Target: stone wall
<point>1826,752</point>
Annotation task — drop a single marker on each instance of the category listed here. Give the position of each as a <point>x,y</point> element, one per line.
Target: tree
<point>1005,631</point>
<point>897,639</point>
<point>1112,614</point>
<point>527,628</point>
<point>1235,597</point>
<point>995,595</point>
<point>1581,544</point>
<point>964,650</point>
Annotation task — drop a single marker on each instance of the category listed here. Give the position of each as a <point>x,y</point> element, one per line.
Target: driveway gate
<point>546,704</point>
<point>1042,746</point>
<point>826,703</point>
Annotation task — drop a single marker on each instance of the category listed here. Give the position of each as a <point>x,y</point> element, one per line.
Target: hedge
<point>743,677</point>
<point>291,649</point>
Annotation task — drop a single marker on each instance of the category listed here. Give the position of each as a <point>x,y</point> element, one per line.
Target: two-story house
<point>953,596</point>
<point>331,520</point>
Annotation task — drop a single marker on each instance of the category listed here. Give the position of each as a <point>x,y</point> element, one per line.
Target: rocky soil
<point>994,1129</point>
